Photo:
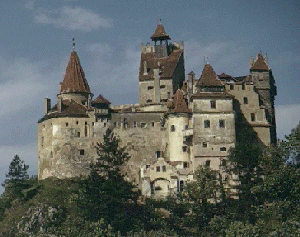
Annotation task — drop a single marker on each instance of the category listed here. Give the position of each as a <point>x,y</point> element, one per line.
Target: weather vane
<point>73,44</point>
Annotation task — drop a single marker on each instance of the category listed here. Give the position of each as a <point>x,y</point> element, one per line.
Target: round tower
<point>178,123</point>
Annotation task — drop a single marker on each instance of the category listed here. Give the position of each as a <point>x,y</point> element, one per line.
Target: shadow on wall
<point>244,132</point>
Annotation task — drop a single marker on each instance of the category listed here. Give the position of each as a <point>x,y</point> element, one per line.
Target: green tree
<point>245,172</point>
<point>16,179</point>
<point>291,145</point>
<point>105,193</point>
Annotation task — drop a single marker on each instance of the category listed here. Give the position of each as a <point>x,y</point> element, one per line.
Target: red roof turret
<point>74,79</point>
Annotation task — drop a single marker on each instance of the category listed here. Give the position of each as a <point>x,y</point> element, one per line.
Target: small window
<point>42,141</point>
<point>213,104</point>
<point>223,162</point>
<point>204,144</point>
<point>67,124</point>
<point>181,186</point>
<point>152,124</point>
<point>207,163</point>
<point>134,124</point>
<point>252,117</point>
<point>231,87</point>
<point>78,134</point>
<point>223,149</point>
<point>164,168</point>
<point>104,124</point>
<point>184,148</point>
<point>162,86</point>
<point>186,127</point>
<point>149,101</point>
<point>157,168</point>
<point>206,123</point>
<point>148,69</point>
<point>85,123</point>
<point>81,152</point>
<point>150,87</point>
<point>245,100</point>
<point>185,164</point>
<point>158,154</point>
<point>93,123</point>
<point>147,166</point>
<point>143,125</point>
<point>222,123</point>
<point>172,128</point>
<point>115,124</point>
<point>243,86</point>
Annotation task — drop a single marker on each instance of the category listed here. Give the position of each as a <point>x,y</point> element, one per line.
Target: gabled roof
<point>260,64</point>
<point>74,79</point>
<point>167,65</point>
<point>100,100</point>
<point>209,78</point>
<point>160,33</point>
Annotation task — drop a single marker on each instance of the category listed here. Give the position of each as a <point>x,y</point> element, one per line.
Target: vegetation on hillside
<point>256,193</point>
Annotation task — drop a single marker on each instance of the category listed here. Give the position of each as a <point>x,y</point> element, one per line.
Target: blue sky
<point>35,45</point>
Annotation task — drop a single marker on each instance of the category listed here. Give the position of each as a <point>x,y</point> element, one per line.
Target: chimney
<point>59,104</point>
<point>251,61</point>
<point>47,105</point>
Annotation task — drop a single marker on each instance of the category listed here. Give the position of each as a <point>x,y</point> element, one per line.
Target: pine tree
<point>105,193</point>
<point>17,173</point>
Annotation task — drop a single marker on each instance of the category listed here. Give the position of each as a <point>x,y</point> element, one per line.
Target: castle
<point>177,125</point>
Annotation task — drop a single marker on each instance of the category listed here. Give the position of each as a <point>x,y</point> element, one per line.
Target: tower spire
<point>73,44</point>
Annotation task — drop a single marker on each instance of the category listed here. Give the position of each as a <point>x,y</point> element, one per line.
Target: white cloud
<point>21,85</point>
<point>100,49</point>
<point>287,118</point>
<point>72,18</point>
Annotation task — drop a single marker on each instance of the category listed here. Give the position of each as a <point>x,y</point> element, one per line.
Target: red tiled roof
<point>74,79</point>
<point>224,75</point>
<point>209,77</point>
<point>260,63</point>
<point>167,65</point>
<point>179,103</point>
<point>69,108</point>
<point>160,33</point>
<point>100,100</point>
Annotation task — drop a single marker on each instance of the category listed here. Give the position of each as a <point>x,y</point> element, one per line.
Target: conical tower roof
<point>209,77</point>
<point>179,103</point>
<point>74,79</point>
<point>160,33</point>
<point>260,64</point>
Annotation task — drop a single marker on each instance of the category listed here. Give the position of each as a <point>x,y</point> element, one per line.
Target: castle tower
<point>178,123</point>
<point>66,141</point>
<point>74,85</point>
<point>213,121</point>
<point>264,83</point>
<point>161,70</point>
